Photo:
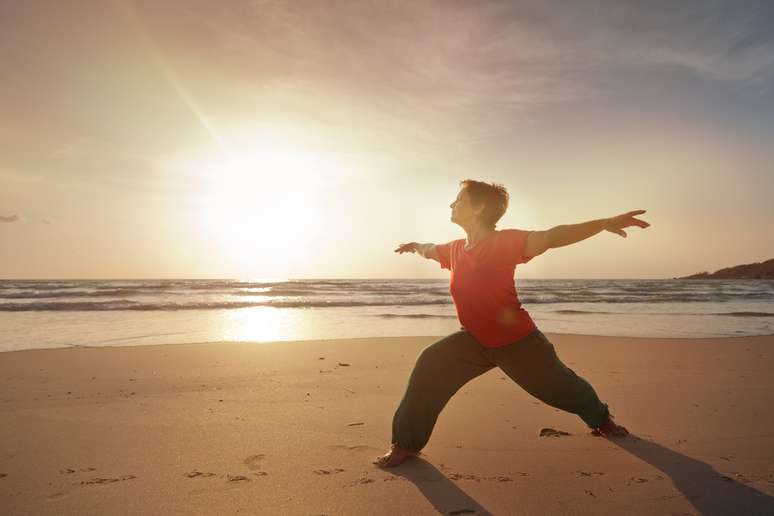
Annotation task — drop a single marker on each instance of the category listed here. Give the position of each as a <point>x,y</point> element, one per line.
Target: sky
<point>308,139</point>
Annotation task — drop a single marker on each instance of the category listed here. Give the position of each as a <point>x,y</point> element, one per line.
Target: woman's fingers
<point>640,223</point>
<point>406,248</point>
<point>626,220</point>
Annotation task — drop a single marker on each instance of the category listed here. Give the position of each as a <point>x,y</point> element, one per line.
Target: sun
<point>266,211</point>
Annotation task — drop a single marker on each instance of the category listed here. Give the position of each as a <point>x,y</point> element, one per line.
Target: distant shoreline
<point>757,270</point>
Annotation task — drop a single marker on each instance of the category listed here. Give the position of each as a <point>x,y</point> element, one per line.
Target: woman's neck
<point>477,234</point>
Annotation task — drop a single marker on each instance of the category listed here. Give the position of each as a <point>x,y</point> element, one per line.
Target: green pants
<point>446,365</point>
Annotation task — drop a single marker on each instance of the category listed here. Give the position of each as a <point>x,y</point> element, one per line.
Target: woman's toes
<point>382,459</point>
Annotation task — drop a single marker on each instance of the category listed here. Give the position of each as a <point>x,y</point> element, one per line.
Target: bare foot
<point>394,457</point>
<point>610,429</point>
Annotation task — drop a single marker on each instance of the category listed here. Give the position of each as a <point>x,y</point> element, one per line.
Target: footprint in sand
<point>252,461</point>
<point>331,471</point>
<point>68,471</point>
<point>360,481</point>
<point>496,478</point>
<point>360,448</point>
<point>236,478</point>
<point>195,473</point>
<point>101,481</point>
<point>589,474</point>
<point>550,432</point>
<point>737,477</point>
<point>460,476</point>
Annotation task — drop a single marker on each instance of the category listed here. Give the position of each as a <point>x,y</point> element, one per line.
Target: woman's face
<point>463,211</point>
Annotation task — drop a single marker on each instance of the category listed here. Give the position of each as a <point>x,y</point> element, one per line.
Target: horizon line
<point>275,279</point>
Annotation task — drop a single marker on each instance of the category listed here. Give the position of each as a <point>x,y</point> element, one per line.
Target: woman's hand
<point>411,247</point>
<point>616,224</point>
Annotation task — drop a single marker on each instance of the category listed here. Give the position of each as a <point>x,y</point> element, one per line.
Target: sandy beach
<point>292,428</point>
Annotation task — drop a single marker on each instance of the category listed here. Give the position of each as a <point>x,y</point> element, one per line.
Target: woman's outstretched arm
<point>559,236</point>
<point>424,250</point>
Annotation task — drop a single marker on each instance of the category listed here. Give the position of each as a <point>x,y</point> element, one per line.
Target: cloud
<point>508,53</point>
<point>457,72</point>
<point>10,218</point>
<point>387,76</point>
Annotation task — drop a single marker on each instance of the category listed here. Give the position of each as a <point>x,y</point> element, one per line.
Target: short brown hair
<point>493,196</point>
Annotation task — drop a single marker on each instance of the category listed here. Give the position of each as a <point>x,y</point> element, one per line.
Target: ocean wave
<point>276,293</point>
<point>544,298</point>
<point>66,294</point>
<point>141,284</point>
<point>729,314</point>
<point>746,314</point>
<point>578,312</point>
<point>229,293</point>
<point>418,316</point>
<point>299,287</point>
<point>167,306</point>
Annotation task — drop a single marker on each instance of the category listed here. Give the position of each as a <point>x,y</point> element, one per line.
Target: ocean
<point>37,314</point>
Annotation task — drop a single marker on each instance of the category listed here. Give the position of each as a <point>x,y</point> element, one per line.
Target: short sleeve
<point>444,255</point>
<point>515,244</point>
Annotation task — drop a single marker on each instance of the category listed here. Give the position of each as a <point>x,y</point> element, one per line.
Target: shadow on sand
<point>440,491</point>
<point>710,492</point>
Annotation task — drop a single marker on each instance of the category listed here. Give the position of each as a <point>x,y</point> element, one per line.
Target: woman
<point>496,330</point>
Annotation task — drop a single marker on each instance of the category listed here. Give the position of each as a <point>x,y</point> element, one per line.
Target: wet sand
<point>292,428</point>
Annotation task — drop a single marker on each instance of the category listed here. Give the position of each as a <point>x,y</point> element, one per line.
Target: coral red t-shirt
<point>483,288</point>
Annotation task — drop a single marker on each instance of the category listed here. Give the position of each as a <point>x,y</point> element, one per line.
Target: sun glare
<point>265,210</point>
